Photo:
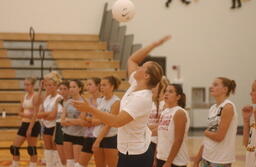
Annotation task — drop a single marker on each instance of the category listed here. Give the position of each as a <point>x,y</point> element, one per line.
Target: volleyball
<point>123,10</point>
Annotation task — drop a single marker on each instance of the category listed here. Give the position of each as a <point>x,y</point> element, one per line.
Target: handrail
<point>42,56</point>
<point>32,39</point>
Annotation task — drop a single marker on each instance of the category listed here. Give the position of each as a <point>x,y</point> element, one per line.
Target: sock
<point>15,164</point>
<point>48,155</point>
<point>70,163</point>
<point>78,165</point>
<point>32,164</point>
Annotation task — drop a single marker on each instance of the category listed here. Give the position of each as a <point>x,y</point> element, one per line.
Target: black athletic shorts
<point>24,127</point>
<point>87,145</point>
<point>58,134</point>
<point>48,131</point>
<point>76,140</point>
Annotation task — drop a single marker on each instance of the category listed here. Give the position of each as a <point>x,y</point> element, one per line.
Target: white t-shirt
<point>250,160</point>
<point>134,138</point>
<point>105,106</point>
<point>154,118</point>
<point>166,132</point>
<point>220,152</point>
<point>48,106</point>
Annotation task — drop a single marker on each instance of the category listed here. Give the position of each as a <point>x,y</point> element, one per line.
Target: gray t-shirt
<point>72,112</point>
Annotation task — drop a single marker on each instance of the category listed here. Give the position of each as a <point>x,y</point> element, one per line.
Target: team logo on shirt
<point>164,122</point>
<point>213,122</point>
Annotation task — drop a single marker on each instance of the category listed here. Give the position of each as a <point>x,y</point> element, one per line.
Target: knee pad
<point>15,150</point>
<point>31,150</point>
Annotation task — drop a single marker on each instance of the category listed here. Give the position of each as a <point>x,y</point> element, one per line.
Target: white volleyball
<point>123,10</point>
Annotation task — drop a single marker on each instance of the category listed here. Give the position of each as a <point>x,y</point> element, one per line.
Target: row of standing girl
<point>149,129</point>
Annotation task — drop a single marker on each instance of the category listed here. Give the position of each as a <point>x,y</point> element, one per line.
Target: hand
<point>195,164</point>
<point>163,40</point>
<point>167,164</point>
<point>58,100</point>
<point>64,123</point>
<point>247,112</point>
<point>96,146</point>
<point>28,133</point>
<point>81,106</point>
<point>154,163</point>
<point>41,84</point>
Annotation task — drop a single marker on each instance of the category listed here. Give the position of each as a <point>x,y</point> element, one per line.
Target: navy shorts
<point>58,134</point>
<point>141,160</point>
<point>87,145</point>
<point>48,131</point>
<point>76,140</point>
<point>24,127</point>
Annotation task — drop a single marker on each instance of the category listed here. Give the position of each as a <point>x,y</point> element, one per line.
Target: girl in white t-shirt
<point>249,132</point>
<point>134,136</point>
<point>218,147</point>
<point>157,108</point>
<point>173,129</point>
<point>48,112</point>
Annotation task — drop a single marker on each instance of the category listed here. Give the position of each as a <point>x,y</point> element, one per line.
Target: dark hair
<point>113,81</point>
<point>80,84</point>
<point>96,80</point>
<point>65,83</point>
<point>230,84</point>
<point>179,91</point>
<point>156,72</point>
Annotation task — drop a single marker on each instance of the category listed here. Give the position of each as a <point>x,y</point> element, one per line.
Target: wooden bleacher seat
<point>78,54</point>
<point>89,74</point>
<point>5,63</point>
<point>9,84</point>
<point>10,121</point>
<point>10,108</point>
<point>49,37</point>
<point>11,95</point>
<point>87,64</point>
<point>3,53</point>
<point>56,45</point>
<point>6,73</point>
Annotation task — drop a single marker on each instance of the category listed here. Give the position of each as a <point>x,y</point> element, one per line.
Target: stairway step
<point>49,37</point>
<point>22,45</point>
<point>82,54</point>
<point>56,45</point>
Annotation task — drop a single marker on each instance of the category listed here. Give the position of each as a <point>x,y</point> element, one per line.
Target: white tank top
<point>166,136</point>
<point>105,106</point>
<point>48,106</point>
<point>251,147</point>
<point>154,118</point>
<point>220,152</point>
<point>28,107</point>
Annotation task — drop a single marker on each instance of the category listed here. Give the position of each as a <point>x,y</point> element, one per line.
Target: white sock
<point>15,164</point>
<point>32,164</point>
<point>70,163</point>
<point>78,165</point>
<point>48,155</point>
<point>56,158</point>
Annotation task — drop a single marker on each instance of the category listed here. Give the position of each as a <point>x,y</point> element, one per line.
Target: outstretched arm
<point>136,58</point>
